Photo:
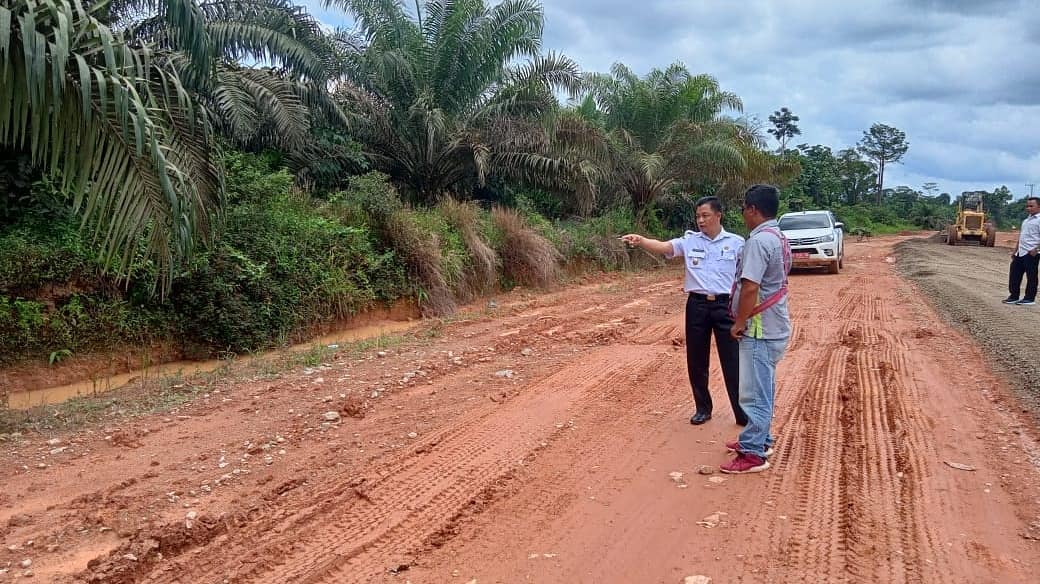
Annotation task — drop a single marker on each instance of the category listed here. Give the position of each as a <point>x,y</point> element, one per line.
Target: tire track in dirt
<point>270,516</point>
<point>853,448</point>
<point>357,536</point>
<point>610,426</point>
<point>606,427</point>
<point>804,450</point>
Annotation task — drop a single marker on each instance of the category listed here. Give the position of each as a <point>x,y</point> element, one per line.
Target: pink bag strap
<point>779,295</point>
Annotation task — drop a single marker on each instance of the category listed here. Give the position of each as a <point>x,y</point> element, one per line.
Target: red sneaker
<point>734,446</point>
<point>745,463</point>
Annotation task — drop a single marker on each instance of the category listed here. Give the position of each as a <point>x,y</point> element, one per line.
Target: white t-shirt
<point>1029,239</point>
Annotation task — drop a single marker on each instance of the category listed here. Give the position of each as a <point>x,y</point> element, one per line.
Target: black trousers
<point>704,317</point>
<point>1023,266</point>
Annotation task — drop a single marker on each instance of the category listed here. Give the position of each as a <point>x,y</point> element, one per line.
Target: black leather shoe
<point>699,418</point>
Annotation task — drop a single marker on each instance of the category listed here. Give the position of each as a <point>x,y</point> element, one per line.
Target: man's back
<point>763,263</point>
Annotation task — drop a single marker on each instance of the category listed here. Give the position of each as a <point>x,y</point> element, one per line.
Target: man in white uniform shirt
<point>1025,258</point>
<point>710,257</point>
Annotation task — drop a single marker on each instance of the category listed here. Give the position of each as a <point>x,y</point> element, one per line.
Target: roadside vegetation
<point>227,176</point>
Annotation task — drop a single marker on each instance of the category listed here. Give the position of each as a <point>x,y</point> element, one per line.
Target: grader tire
<point>991,235</point>
<point>951,235</point>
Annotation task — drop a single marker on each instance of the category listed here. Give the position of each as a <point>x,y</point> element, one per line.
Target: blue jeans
<point>758,359</point>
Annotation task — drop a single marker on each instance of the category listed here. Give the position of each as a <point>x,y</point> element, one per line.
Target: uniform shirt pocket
<point>695,258</point>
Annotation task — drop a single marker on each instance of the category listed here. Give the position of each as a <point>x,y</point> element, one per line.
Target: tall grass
<point>421,253</point>
<point>481,274</point>
<point>527,257</point>
<point>373,200</point>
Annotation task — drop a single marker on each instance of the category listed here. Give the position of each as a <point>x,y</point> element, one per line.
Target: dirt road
<point>537,444</point>
<point>971,301</point>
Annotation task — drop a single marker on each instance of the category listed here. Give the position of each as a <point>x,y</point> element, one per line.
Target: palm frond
<point>177,23</point>
<point>121,133</point>
<point>260,107</point>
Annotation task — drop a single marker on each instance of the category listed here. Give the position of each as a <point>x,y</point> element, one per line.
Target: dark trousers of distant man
<point>704,317</point>
<point>1023,266</point>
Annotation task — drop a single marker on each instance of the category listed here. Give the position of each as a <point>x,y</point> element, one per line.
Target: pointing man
<point>710,256</point>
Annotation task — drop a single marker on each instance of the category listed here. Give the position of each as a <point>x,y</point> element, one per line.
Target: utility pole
<point>1031,185</point>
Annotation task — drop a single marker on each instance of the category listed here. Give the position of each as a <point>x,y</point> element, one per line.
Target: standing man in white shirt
<point>710,256</point>
<point>1025,258</point>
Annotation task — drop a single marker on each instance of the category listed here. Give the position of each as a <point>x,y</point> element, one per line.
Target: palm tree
<point>434,99</point>
<point>761,166</point>
<point>118,99</point>
<point>666,129</point>
<point>269,105</point>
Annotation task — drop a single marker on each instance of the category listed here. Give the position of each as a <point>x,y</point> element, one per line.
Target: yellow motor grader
<point>971,227</point>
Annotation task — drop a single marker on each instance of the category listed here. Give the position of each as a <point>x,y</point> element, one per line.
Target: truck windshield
<point>804,222</point>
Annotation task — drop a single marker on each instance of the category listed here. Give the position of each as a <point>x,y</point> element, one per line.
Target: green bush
<point>254,177</point>
<point>281,266</point>
<point>38,252</point>
<point>595,239</point>
<point>53,294</point>
<point>876,219</point>
<point>455,257</point>
<point>79,322</point>
<point>430,254</point>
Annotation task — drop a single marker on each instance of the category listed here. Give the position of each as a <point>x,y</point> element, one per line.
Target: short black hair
<point>1036,199</point>
<point>765,198</point>
<point>715,202</point>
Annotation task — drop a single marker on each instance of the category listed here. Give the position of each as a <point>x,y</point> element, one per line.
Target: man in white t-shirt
<point>1025,258</point>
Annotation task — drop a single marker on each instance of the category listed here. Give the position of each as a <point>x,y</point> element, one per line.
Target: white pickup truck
<point>816,239</point>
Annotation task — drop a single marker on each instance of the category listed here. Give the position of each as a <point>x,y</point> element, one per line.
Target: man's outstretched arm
<point>652,245</point>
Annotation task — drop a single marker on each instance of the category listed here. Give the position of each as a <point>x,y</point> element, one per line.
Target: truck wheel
<point>951,235</point>
<point>841,258</point>
<point>832,268</point>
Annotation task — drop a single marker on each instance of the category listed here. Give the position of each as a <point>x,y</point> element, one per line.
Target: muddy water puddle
<point>23,400</point>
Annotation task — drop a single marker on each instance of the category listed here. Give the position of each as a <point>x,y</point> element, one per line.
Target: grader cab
<point>971,227</point>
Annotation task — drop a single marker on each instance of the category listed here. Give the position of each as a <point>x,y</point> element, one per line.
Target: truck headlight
<point>827,238</point>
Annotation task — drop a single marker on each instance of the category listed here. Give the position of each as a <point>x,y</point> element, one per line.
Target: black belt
<point>710,297</point>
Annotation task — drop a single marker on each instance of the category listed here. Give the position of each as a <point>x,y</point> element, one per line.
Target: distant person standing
<point>1024,260</point>
<point>762,325</point>
<point>710,256</point>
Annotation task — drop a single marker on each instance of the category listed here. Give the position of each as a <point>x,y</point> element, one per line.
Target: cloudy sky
<point>960,77</point>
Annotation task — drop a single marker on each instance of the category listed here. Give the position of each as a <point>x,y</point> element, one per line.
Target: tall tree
<point>785,126</point>
<point>883,144</point>
<point>819,179</point>
<point>996,204</point>
<point>118,99</point>
<point>855,175</point>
